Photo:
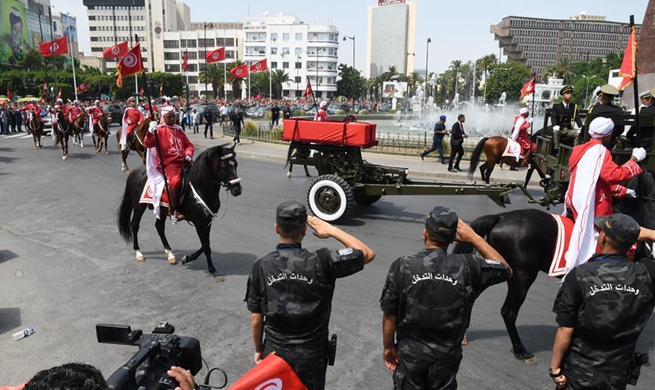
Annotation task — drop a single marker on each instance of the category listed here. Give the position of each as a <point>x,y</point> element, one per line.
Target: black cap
<point>443,222</point>
<point>291,214</point>
<point>565,89</point>
<point>620,228</point>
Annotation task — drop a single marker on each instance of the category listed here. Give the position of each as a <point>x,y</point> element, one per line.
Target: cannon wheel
<point>330,197</point>
<point>366,200</point>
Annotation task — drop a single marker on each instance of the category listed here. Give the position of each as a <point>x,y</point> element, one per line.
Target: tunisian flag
<point>528,88</point>
<point>308,89</point>
<point>10,94</point>
<point>82,87</point>
<point>129,64</point>
<point>53,48</point>
<point>119,50</point>
<point>628,66</point>
<point>239,72</point>
<point>185,62</point>
<point>215,55</point>
<point>271,373</point>
<point>258,66</point>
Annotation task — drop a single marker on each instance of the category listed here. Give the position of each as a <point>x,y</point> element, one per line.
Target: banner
<point>118,50</point>
<point>215,56</point>
<point>185,61</point>
<point>239,72</point>
<point>258,66</point>
<point>271,373</point>
<point>82,87</point>
<point>394,89</point>
<point>528,88</point>
<point>57,47</point>
<point>129,65</point>
<point>628,66</point>
<point>308,89</point>
<point>14,39</point>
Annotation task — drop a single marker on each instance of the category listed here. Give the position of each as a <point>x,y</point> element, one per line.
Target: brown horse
<point>136,143</point>
<point>62,130</point>
<point>35,127</point>
<point>101,129</point>
<point>494,147</point>
<point>79,125</point>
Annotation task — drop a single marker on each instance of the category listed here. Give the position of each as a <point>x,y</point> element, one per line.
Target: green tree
<point>351,83</point>
<point>279,77</point>
<point>235,82</point>
<point>508,77</point>
<point>214,75</point>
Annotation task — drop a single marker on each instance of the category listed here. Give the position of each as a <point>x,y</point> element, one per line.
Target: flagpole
<point>270,84</point>
<point>136,77</point>
<point>152,118</point>
<point>248,67</point>
<point>634,82</point>
<point>534,93</point>
<point>54,63</point>
<point>70,51</point>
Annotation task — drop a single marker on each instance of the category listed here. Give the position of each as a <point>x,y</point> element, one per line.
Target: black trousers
<point>580,378</point>
<point>237,134</point>
<point>455,150</point>
<point>309,363</point>
<point>209,126</point>
<point>416,374</point>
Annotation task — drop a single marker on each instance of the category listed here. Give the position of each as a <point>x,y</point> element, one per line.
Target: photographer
<point>601,310</point>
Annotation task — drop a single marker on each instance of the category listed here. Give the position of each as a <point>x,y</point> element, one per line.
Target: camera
<point>146,370</point>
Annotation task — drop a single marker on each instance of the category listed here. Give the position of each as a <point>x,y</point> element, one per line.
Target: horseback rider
<point>177,152</point>
<point>595,180</point>
<point>131,119</point>
<point>59,106</point>
<point>520,133</point>
<point>35,109</point>
<point>155,109</point>
<point>74,112</point>
<point>96,112</point>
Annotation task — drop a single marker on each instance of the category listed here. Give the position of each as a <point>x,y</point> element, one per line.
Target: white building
<point>301,50</point>
<point>391,37</point>
<point>114,21</point>
<point>197,42</point>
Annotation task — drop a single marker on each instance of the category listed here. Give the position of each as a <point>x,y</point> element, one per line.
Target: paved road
<point>64,268</point>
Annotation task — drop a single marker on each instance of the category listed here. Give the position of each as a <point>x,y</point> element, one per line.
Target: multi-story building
<point>196,43</point>
<point>391,37</point>
<point>303,51</point>
<point>539,42</point>
<point>114,21</point>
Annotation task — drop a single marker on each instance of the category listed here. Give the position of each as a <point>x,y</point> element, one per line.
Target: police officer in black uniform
<point>647,129</point>
<point>427,302</point>
<point>602,308</point>
<point>563,117</point>
<point>290,292</point>
<point>607,109</point>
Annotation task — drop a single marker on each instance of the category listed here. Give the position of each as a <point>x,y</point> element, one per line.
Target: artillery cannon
<point>346,179</point>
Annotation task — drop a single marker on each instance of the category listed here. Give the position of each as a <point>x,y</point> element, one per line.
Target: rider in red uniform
<point>321,113</point>
<point>96,112</point>
<point>74,112</point>
<point>520,132</point>
<point>35,108</point>
<point>155,109</point>
<point>177,151</point>
<point>131,120</point>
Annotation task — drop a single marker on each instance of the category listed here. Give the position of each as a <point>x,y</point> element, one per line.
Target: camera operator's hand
<point>183,377</point>
<point>258,357</point>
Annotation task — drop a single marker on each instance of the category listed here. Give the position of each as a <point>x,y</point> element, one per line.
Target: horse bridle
<point>224,182</point>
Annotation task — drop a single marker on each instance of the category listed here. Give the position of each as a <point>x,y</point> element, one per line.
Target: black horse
<point>62,130</point>
<point>526,239</point>
<point>214,168</point>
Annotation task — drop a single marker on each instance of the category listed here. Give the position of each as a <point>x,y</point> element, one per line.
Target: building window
<point>274,65</point>
<point>297,79</point>
<point>209,42</point>
<point>285,51</point>
<point>298,37</point>
<point>285,37</point>
<point>273,37</point>
<point>273,50</point>
<point>298,65</point>
<point>229,41</point>
<point>172,68</point>
<point>171,44</point>
<point>171,56</point>
<point>285,65</point>
<point>298,51</point>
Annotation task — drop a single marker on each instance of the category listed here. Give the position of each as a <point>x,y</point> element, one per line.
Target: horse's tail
<point>124,214</point>
<point>475,157</point>
<point>483,227</point>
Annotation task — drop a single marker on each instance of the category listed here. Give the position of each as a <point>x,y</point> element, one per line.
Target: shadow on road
<point>382,211</point>
<point>9,319</point>
<point>6,255</point>
<point>537,338</point>
<point>232,263</point>
<point>6,150</point>
<point>5,159</point>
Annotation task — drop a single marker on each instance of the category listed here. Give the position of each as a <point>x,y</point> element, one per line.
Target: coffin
<point>360,134</point>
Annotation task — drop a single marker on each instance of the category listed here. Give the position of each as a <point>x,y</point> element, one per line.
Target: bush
<point>339,112</point>
<point>250,128</point>
<point>276,133</point>
<point>364,112</point>
<point>267,115</point>
<point>298,113</point>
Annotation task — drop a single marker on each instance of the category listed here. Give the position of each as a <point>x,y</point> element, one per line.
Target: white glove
<point>530,120</point>
<point>556,128</point>
<point>639,154</point>
<point>189,159</point>
<point>153,127</point>
<point>630,193</point>
<point>129,122</point>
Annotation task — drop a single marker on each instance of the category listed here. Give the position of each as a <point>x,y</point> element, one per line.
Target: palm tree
<point>212,74</point>
<point>236,82</point>
<point>454,66</point>
<point>414,80</point>
<point>486,62</point>
<point>391,71</point>
<point>564,69</point>
<point>279,77</point>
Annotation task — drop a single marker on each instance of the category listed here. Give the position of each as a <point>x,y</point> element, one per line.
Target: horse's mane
<point>202,167</point>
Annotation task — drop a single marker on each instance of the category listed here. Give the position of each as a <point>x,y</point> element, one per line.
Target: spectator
<point>237,121</point>
<point>286,113</point>
<point>196,117</point>
<point>275,115</point>
<point>208,119</point>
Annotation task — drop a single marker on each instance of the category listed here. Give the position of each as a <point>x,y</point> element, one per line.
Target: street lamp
<point>427,56</point>
<point>353,39</point>
<point>205,25</point>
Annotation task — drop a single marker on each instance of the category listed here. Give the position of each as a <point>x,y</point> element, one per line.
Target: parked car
<point>115,112</point>
<point>201,107</point>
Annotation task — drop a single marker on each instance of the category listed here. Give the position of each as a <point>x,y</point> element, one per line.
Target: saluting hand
<point>321,228</point>
<point>464,232</point>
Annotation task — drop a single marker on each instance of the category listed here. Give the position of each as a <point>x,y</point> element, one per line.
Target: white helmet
<point>60,100</point>
<point>96,102</point>
<point>323,104</point>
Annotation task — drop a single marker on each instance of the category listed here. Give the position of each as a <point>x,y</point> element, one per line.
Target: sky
<point>458,29</point>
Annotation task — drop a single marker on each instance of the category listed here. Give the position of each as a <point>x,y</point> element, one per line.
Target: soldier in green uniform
<point>427,302</point>
<point>290,292</point>
<point>602,308</point>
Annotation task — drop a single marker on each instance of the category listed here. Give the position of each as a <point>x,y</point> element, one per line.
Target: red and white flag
<point>53,48</point>
<point>130,64</point>
<point>308,89</point>
<point>271,373</point>
<point>215,55</point>
<point>10,94</point>
<point>629,65</point>
<point>239,72</point>
<point>59,95</point>
<point>185,61</point>
<point>528,88</point>
<point>82,87</point>
<point>258,66</point>
<point>119,50</point>
<point>161,89</point>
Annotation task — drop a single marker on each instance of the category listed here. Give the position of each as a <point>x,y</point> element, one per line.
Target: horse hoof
<point>288,174</point>
<point>465,342</point>
<point>185,259</point>
<point>531,361</point>
<point>106,152</point>
<point>172,260</point>
<point>218,277</point>
<point>64,158</point>
<point>525,356</point>
<point>141,259</point>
